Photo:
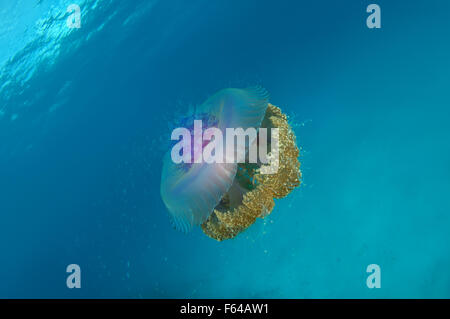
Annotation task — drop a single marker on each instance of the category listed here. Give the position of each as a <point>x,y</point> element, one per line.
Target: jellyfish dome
<point>225,196</point>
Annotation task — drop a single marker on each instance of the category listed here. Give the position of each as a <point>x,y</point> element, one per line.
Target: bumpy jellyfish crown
<point>257,191</point>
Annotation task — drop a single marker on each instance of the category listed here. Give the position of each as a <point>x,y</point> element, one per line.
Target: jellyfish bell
<point>191,195</point>
<point>234,108</point>
<point>225,197</point>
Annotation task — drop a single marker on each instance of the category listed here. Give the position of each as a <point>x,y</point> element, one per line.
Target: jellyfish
<point>226,197</point>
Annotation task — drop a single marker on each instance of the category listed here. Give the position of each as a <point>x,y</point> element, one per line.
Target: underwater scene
<point>113,184</point>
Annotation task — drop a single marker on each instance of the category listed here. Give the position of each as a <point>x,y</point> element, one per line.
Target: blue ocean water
<point>84,118</point>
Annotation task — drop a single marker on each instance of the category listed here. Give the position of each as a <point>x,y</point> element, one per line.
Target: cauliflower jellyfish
<point>226,197</point>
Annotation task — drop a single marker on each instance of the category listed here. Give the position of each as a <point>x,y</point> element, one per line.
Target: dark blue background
<point>84,118</point>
